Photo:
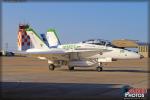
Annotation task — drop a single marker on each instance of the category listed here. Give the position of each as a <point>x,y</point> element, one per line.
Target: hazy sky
<point>77,21</point>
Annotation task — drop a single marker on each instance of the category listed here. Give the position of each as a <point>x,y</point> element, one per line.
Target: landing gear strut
<point>99,68</point>
<point>51,67</point>
<point>71,68</point>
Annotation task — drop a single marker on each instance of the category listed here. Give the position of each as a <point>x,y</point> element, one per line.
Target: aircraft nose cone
<point>135,55</point>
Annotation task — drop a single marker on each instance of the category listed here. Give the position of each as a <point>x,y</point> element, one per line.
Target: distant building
<point>143,48</point>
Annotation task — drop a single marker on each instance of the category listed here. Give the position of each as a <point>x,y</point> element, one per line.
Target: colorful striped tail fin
<point>23,41</point>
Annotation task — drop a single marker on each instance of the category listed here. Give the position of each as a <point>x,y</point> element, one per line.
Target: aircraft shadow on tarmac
<point>35,90</point>
<point>135,71</point>
<point>109,70</point>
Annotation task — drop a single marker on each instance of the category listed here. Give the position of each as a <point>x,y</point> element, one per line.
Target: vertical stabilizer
<point>37,42</point>
<point>23,39</point>
<point>43,36</point>
<point>52,38</point>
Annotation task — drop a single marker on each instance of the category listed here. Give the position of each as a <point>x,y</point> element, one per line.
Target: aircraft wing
<point>80,50</point>
<point>53,54</point>
<point>61,54</point>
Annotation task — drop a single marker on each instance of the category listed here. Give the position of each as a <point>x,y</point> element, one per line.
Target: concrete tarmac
<point>24,77</point>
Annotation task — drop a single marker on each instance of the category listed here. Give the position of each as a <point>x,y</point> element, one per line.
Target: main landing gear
<point>51,67</point>
<point>99,68</point>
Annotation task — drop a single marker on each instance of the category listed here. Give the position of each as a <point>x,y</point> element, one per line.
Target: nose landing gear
<point>99,68</point>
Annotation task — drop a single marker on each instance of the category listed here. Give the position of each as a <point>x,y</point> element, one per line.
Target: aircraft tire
<point>99,69</point>
<point>51,67</point>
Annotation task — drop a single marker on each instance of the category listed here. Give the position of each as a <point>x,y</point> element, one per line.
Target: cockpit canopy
<point>97,42</point>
